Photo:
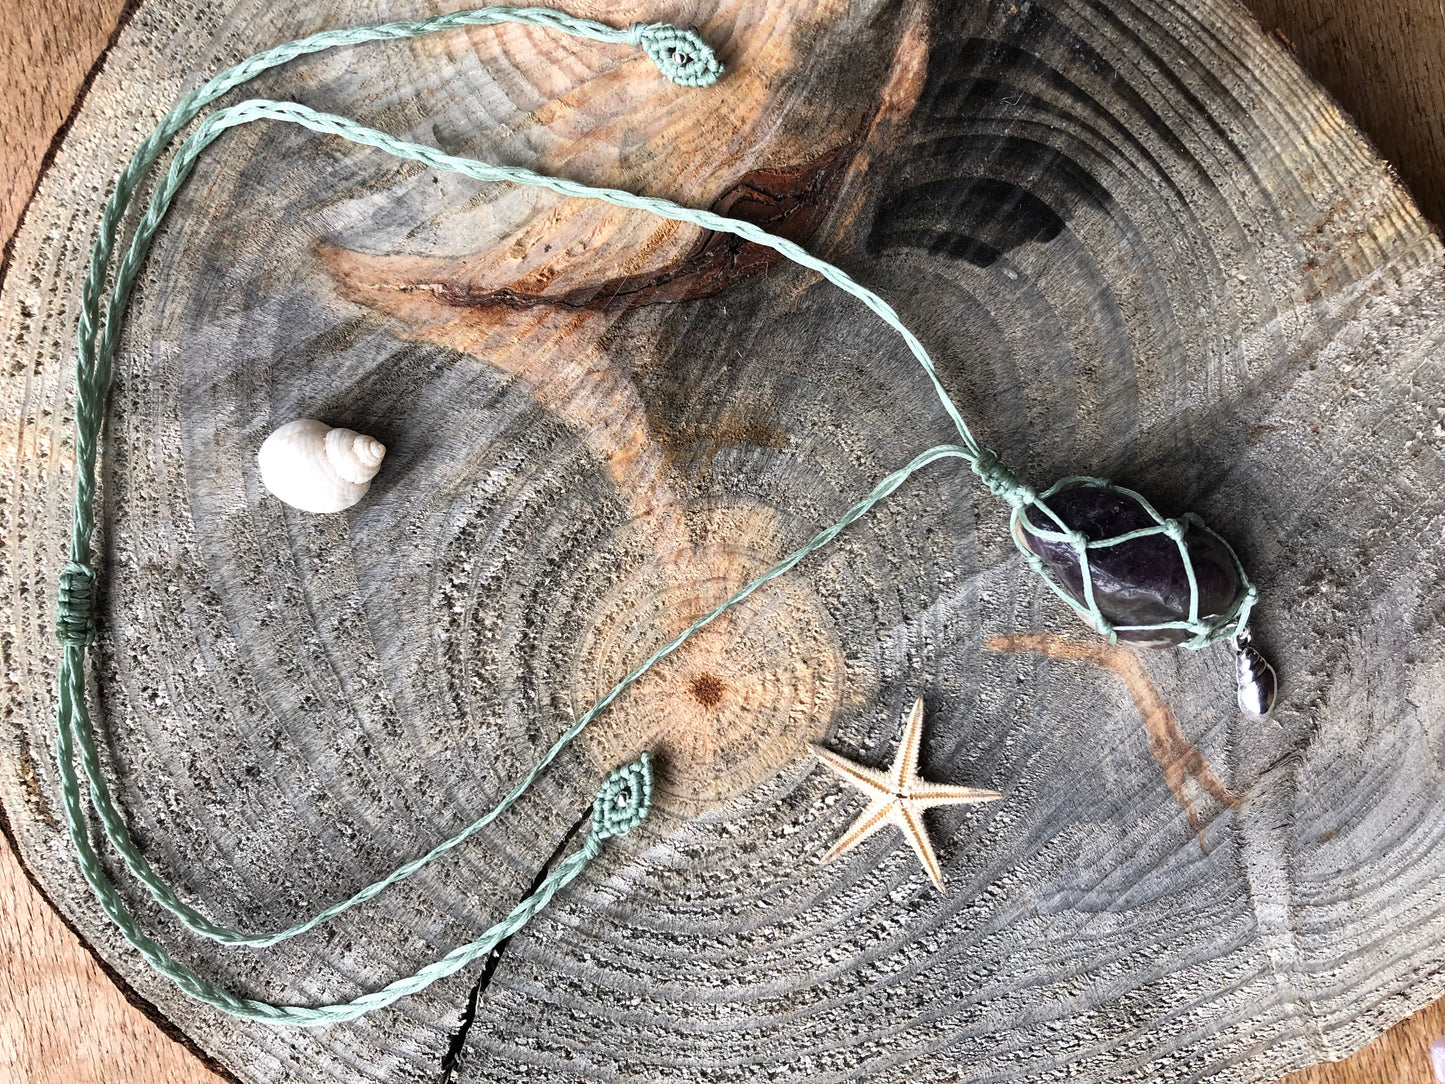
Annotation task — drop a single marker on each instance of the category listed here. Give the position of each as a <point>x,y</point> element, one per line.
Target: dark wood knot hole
<point>708,689</point>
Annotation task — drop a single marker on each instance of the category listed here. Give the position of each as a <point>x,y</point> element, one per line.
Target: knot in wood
<point>708,689</point>
<point>735,704</point>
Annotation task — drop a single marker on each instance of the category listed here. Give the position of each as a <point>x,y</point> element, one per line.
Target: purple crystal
<point>1139,582</point>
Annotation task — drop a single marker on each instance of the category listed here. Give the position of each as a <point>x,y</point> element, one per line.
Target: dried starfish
<point>899,796</point>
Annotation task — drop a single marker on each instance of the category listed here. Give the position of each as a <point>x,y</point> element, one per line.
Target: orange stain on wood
<point>895,104</point>
<point>1176,756</point>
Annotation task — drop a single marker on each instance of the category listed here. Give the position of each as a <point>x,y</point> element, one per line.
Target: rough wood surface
<point>1384,60</point>
<point>62,41</point>
<point>929,634</point>
<point>1400,1056</point>
<point>64,1021</point>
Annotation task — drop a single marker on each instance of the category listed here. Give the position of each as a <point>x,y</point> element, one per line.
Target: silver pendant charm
<point>1257,682</point>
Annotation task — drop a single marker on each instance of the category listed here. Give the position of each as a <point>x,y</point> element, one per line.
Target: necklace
<point>1131,573</point>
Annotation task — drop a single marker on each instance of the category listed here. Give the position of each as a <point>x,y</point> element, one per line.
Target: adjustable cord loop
<point>683,57</point>
<point>75,605</point>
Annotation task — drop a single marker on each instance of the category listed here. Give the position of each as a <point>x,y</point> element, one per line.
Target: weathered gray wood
<point>1141,244</point>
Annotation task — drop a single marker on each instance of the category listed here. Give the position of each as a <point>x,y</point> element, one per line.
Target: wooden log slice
<point>1140,243</point>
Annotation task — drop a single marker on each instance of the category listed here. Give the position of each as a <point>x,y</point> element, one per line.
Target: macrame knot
<point>623,801</point>
<point>75,605</point>
<point>1001,481</point>
<point>679,54</point>
<point>1173,529</point>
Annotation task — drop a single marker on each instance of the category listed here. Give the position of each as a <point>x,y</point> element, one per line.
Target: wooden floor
<point>62,1018</point>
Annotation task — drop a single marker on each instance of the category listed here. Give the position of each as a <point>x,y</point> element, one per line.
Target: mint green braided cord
<point>681,55</point>
<point>685,59</point>
<point>623,801</point>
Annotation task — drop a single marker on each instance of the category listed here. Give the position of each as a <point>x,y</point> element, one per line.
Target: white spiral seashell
<point>316,468</point>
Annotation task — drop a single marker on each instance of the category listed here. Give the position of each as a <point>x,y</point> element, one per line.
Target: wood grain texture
<point>48,51</point>
<point>1384,60</point>
<point>704,738</point>
<point>64,1021</point>
<point>63,1018</point>
<point>1400,1056</point>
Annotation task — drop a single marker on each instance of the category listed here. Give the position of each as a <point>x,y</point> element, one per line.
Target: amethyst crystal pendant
<point>1130,572</point>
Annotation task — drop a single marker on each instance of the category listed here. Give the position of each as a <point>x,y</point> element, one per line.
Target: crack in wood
<point>790,203</point>
<point>451,1060</point>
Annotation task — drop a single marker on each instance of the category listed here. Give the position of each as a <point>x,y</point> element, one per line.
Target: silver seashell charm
<point>1257,682</point>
